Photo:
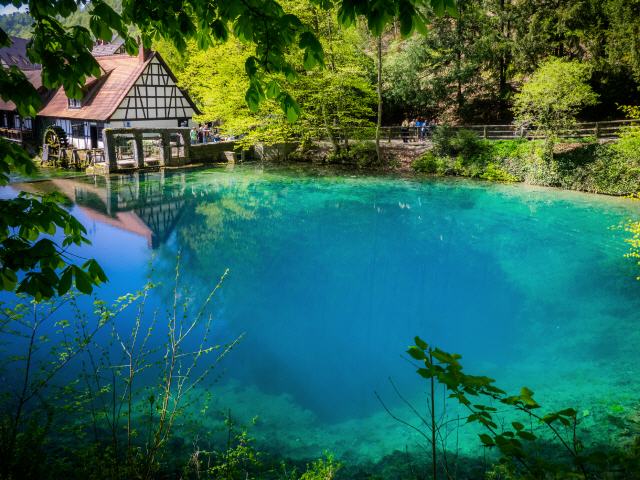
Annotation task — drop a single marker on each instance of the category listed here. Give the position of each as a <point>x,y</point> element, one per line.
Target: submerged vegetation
<point>112,422</point>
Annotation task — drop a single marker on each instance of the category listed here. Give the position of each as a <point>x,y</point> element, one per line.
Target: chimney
<point>142,52</point>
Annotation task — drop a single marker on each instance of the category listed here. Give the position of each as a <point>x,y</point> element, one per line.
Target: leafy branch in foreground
<point>30,258</point>
<point>515,442</point>
<point>44,346</point>
<point>140,417</point>
<point>26,226</point>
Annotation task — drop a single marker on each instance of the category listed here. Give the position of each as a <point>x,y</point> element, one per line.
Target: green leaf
<point>568,412</point>
<point>420,343</point>
<point>273,89</point>
<point>65,281</point>
<point>243,28</point>
<point>83,281</point>
<point>252,98</point>
<point>290,107</point>
<point>251,66</point>
<point>486,440</point>
<point>526,435</point>
<point>517,425</point>
<point>416,353</point>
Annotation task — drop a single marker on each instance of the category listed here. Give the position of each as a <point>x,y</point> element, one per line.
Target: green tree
<point>551,99</point>
<point>448,70</point>
<point>333,100</point>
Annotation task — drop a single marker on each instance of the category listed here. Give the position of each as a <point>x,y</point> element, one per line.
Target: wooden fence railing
<point>597,130</point>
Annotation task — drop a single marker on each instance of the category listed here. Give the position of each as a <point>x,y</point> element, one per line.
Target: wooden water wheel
<point>55,145</point>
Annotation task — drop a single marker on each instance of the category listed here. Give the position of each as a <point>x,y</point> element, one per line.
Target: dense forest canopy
<point>464,66</point>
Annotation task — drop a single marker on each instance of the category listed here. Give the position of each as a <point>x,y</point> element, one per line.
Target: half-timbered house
<point>131,91</point>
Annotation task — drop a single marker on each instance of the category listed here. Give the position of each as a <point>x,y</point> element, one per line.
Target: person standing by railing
<point>404,130</point>
<point>420,128</point>
<point>412,128</point>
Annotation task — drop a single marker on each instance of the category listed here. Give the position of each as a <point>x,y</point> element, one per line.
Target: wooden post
<point>597,129</point>
<point>484,132</point>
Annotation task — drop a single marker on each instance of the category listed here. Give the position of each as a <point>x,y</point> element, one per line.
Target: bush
<point>466,143</point>
<point>431,164</point>
<point>441,138</point>
<point>361,154</point>
<point>322,469</point>
<point>627,148</point>
<point>494,173</point>
<point>453,142</point>
<point>612,168</point>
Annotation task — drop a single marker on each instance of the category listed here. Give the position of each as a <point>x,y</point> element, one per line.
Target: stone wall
<point>212,152</point>
<point>274,153</point>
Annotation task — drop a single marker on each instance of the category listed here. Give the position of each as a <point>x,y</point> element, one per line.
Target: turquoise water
<point>331,277</point>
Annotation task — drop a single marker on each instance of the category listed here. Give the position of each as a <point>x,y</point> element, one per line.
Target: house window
<point>77,130</point>
<point>183,122</point>
<point>75,103</point>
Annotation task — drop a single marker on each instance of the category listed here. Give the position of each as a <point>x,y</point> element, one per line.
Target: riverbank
<point>611,168</point>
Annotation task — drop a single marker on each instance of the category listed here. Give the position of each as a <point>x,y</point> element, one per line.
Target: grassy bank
<point>611,168</point>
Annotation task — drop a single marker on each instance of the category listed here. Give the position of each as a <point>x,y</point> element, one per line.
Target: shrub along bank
<point>587,165</point>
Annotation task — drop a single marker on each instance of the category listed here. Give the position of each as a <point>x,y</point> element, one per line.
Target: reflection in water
<point>148,204</point>
<point>331,278</point>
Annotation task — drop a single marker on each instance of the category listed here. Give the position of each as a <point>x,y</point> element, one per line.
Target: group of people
<point>419,127</point>
<point>205,134</point>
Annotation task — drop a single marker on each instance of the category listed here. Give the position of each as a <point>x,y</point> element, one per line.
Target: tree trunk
<point>458,71</point>
<point>379,122</point>
<point>503,89</point>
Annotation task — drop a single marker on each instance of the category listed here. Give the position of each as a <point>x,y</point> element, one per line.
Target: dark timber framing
<point>157,97</point>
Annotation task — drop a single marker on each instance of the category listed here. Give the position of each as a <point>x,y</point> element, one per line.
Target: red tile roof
<point>104,94</point>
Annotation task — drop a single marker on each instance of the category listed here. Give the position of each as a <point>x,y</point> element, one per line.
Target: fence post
<point>597,129</point>
<point>484,132</point>
<point>389,137</point>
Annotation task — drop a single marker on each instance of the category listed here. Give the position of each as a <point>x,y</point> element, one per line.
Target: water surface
<point>332,276</point>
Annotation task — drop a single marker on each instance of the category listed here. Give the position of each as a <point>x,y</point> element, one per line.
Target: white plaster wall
<point>146,106</point>
<point>159,123</point>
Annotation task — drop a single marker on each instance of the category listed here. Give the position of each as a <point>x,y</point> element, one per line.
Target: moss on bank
<point>612,168</point>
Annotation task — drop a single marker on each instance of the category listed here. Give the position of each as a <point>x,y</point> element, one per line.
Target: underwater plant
<point>522,445</point>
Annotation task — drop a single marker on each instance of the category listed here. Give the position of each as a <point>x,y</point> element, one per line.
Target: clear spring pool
<point>331,277</point>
